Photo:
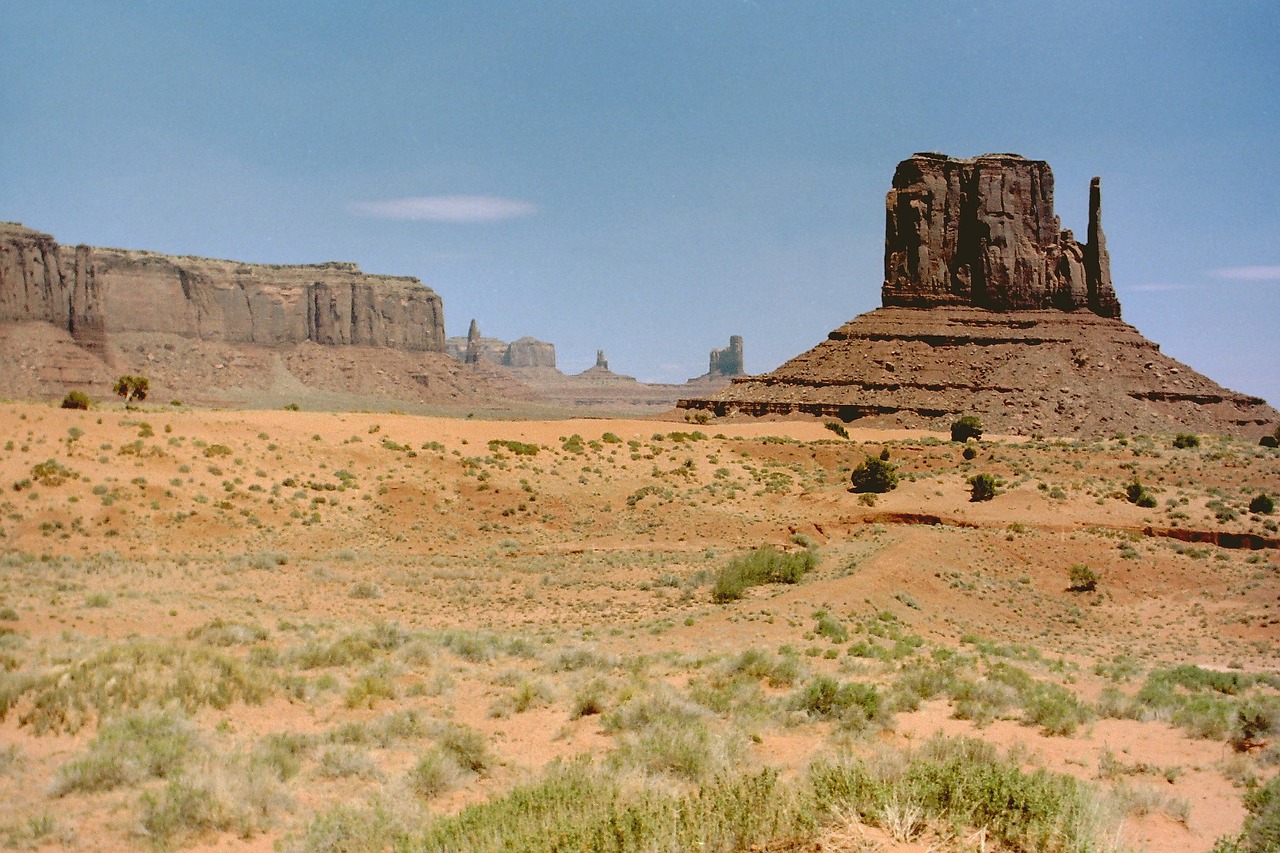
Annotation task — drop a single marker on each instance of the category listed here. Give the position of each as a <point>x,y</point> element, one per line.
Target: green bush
<point>875,476</point>
<point>851,704</point>
<point>837,428</point>
<point>1262,504</point>
<point>1269,441</point>
<point>970,453</point>
<point>963,782</point>
<point>1083,578</point>
<point>75,400</point>
<point>982,487</point>
<point>1136,493</point>
<point>761,566</point>
<point>965,428</point>
<point>1185,440</point>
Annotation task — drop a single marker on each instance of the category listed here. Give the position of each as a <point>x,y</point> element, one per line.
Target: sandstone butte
<point>221,331</point>
<point>991,308</point>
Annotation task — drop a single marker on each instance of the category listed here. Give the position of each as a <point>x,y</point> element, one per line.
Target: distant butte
<point>991,308</point>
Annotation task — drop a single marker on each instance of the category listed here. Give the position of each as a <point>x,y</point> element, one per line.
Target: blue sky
<point>652,177</point>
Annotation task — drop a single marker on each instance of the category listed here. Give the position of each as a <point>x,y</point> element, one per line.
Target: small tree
<point>1262,504</point>
<point>965,428</point>
<point>969,453</point>
<point>75,400</point>
<point>132,388</point>
<point>1083,578</point>
<point>875,475</point>
<point>982,487</point>
<point>1185,440</point>
<point>1136,493</point>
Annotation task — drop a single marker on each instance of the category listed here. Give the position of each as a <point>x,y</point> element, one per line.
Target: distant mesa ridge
<point>95,292</point>
<point>991,308</point>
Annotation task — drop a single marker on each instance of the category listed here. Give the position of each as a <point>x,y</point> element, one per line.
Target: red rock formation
<point>40,280</point>
<point>97,292</point>
<point>982,233</point>
<point>991,309</point>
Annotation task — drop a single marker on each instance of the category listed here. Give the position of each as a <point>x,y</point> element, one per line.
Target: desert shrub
<point>1269,441</point>
<point>1185,440</point>
<point>963,782</point>
<point>233,797</point>
<point>969,453</point>
<point>51,473</point>
<point>577,808</point>
<point>982,487</point>
<point>465,746</point>
<point>965,428</point>
<point>213,451</point>
<point>1083,578</point>
<point>684,748</point>
<point>342,761</point>
<point>518,448</point>
<point>435,773</point>
<point>1261,833</point>
<point>1255,722</point>
<point>1054,708</point>
<point>128,750</point>
<point>852,704</point>
<point>282,753</point>
<point>875,476</point>
<point>1262,504</point>
<point>980,701</point>
<point>1136,493</point>
<point>368,689</point>
<point>837,428</point>
<point>219,632</point>
<point>76,400</point>
<point>830,627</point>
<point>590,699</point>
<point>776,670</point>
<point>136,673</point>
<point>761,566</point>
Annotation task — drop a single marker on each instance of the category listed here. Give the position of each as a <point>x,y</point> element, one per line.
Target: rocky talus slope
<point>992,309</point>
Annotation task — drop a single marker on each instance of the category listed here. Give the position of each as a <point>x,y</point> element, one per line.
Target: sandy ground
<point>156,524</point>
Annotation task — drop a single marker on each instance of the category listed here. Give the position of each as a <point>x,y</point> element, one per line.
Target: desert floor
<point>257,630</point>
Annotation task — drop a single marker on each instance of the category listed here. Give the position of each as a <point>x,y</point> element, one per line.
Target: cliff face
<point>97,292</point>
<point>40,280</point>
<point>982,233</point>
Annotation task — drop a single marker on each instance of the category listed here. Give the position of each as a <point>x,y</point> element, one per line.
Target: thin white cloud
<point>1256,273</point>
<point>446,208</point>
<point>1157,287</point>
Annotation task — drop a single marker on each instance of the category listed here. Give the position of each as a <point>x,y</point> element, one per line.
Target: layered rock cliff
<point>94,293</point>
<point>982,232</point>
<point>992,309</point>
<point>41,280</point>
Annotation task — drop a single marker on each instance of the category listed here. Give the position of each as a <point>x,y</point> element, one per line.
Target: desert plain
<point>296,630</point>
